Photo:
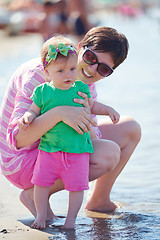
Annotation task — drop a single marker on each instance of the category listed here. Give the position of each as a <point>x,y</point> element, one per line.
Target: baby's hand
<point>23,123</point>
<point>114,115</point>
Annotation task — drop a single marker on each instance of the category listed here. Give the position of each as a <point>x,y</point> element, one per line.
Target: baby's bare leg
<point>41,203</point>
<point>27,198</point>
<point>75,202</point>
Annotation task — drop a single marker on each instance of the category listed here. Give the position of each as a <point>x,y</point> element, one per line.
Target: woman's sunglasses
<point>90,58</point>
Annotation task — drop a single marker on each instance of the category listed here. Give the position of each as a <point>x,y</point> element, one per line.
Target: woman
<point>101,51</point>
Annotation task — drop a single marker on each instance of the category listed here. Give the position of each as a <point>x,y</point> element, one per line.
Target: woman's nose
<point>93,68</point>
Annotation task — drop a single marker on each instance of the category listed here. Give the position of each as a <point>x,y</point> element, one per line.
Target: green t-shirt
<point>62,137</point>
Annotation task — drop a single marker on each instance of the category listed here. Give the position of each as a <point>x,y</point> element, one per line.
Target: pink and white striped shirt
<point>15,103</point>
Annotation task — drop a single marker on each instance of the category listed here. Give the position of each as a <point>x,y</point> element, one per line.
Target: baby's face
<point>63,71</point>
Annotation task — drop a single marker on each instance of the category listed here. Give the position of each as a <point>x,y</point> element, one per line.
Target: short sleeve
<point>37,96</point>
<point>84,88</point>
<point>87,91</point>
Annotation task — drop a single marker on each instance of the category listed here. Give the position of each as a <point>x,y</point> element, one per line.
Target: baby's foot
<point>69,224</point>
<point>38,224</point>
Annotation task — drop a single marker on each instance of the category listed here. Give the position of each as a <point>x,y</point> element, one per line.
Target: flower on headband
<point>53,51</point>
<point>62,49</point>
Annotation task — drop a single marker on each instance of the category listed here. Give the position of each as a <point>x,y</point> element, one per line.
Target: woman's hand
<point>83,101</point>
<point>79,118</point>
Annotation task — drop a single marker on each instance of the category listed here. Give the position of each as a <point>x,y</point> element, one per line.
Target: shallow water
<point>131,226</point>
<point>134,89</point>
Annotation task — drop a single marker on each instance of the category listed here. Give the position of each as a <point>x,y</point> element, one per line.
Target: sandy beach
<point>14,218</point>
<point>16,230</point>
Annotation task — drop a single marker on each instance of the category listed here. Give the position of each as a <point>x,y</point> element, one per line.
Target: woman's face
<point>88,73</point>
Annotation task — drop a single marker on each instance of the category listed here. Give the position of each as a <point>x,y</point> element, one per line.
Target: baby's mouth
<point>68,81</point>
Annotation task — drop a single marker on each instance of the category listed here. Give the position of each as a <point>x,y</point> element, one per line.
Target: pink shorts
<point>71,168</point>
<point>22,178</point>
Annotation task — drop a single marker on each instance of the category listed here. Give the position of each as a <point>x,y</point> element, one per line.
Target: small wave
<point>134,218</point>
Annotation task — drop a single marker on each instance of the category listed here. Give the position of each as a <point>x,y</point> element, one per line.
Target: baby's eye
<point>60,70</point>
<point>72,69</point>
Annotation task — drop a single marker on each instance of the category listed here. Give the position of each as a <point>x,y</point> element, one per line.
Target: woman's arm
<point>76,117</point>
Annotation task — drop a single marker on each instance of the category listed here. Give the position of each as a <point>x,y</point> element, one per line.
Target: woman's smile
<point>86,74</point>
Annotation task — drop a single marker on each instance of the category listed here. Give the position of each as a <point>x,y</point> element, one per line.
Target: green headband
<point>53,52</point>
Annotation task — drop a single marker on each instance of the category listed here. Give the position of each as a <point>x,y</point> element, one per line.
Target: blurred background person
<point>26,16</point>
<point>78,11</point>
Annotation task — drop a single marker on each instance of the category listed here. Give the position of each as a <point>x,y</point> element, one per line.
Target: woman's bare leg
<point>126,134</point>
<point>27,198</point>
<point>105,158</point>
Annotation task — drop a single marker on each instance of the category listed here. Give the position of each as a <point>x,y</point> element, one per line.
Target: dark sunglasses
<point>90,58</point>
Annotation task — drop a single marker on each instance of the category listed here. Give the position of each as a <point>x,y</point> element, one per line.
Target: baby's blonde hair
<point>54,41</point>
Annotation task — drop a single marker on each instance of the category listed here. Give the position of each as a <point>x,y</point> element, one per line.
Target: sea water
<point>133,89</point>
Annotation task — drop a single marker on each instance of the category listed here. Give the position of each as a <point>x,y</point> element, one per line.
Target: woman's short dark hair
<point>106,39</point>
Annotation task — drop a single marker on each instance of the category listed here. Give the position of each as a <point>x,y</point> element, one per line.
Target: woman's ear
<point>79,45</point>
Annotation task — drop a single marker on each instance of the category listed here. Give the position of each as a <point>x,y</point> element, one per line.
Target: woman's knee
<point>133,129</point>
<point>112,156</point>
<point>106,155</point>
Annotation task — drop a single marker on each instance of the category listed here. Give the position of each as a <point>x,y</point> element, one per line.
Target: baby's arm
<point>29,116</point>
<point>98,108</point>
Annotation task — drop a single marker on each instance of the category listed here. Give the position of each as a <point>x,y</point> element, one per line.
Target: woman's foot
<point>98,206</point>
